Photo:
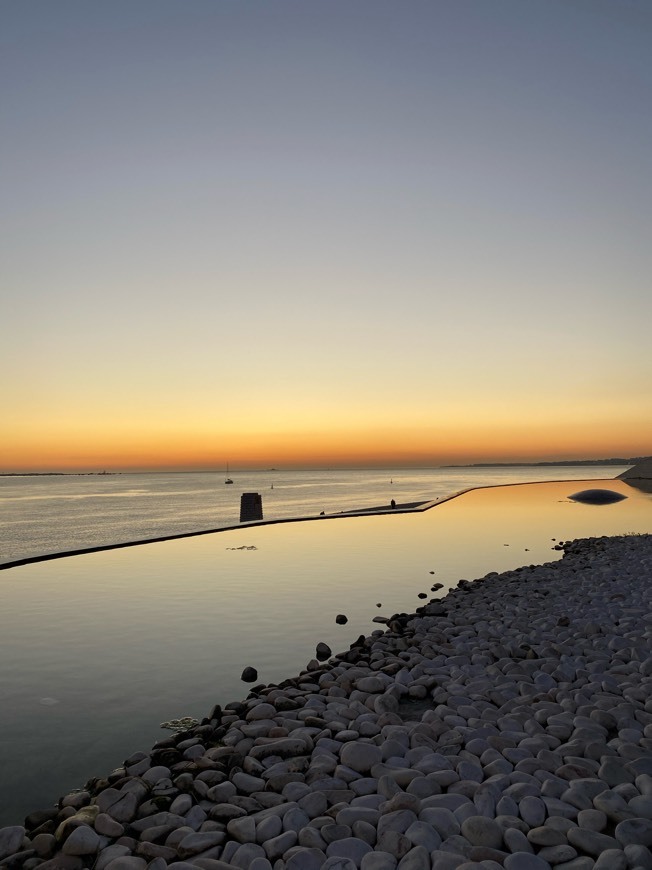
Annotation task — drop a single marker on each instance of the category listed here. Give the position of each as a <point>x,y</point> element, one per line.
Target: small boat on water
<point>227,479</point>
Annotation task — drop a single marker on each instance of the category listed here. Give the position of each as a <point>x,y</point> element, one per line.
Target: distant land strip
<point>58,473</point>
<point>634,460</point>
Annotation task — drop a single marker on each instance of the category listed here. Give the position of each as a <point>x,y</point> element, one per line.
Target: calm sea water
<point>40,515</point>
<point>97,650</point>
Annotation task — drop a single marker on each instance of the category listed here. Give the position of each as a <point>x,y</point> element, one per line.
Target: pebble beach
<point>505,725</point>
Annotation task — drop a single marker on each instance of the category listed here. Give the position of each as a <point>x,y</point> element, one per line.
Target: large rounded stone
<point>638,856</point>
<point>245,854</point>
<point>111,853</point>
<point>261,711</point>
<point>400,821</point>
<point>636,832</point>
<point>371,685</point>
<point>442,820</point>
<point>360,757</point>
<point>44,845</point>
<point>417,858</point>
<point>195,843</point>
<point>335,862</point>
<point>243,829</point>
<point>108,827</point>
<point>378,861</point>
<point>276,846</point>
<point>352,814</point>
<point>268,828</point>
<point>611,859</point>
<point>394,844</point>
<point>516,841</point>
<point>331,833</point>
<point>305,859</point>
<point>121,806</point>
<point>545,836</point>
<point>11,839</point>
<point>481,831</point>
<point>448,860</point>
<point>525,861</point>
<point>350,847</point>
<point>323,651</point>
<point>423,834</point>
<point>247,784</point>
<point>613,806</point>
<point>641,806</point>
<point>590,842</point>
<point>295,819</point>
<point>81,841</point>
<point>532,810</point>
<point>613,772</point>
<point>127,862</point>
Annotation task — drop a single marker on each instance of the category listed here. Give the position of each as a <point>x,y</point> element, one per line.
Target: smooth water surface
<point>99,649</point>
<point>50,514</point>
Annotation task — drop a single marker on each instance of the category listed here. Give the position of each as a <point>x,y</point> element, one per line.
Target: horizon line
<point>614,460</point>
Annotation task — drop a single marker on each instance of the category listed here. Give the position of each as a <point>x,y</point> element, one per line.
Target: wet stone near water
<point>508,724</point>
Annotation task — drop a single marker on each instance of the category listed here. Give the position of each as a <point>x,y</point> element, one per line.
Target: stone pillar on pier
<point>251,507</point>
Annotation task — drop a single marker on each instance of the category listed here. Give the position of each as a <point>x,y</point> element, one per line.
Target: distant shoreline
<point>562,463</point>
<point>59,473</point>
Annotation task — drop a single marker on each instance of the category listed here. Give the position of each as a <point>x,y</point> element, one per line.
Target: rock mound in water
<point>597,496</point>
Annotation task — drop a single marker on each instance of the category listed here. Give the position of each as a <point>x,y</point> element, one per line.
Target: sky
<point>298,234</point>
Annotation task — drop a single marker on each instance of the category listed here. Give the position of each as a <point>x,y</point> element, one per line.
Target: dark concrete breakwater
<point>506,725</point>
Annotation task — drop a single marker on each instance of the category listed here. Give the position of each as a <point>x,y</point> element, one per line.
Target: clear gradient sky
<point>294,233</point>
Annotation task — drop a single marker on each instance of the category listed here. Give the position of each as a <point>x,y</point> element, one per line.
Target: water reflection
<point>125,639</point>
<point>644,484</point>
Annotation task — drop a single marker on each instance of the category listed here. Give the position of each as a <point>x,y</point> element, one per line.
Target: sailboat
<point>227,479</point>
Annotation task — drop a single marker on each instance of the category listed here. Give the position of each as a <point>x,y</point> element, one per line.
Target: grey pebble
<point>638,856</point>
<point>525,861</point>
<point>306,859</point>
<point>634,832</point>
<point>335,862</point>
<point>377,861</point>
<point>81,841</point>
<point>590,842</point>
<point>276,846</point>
<point>417,858</point>
<point>128,862</point>
<point>481,831</point>
<point>349,847</point>
<point>611,859</point>
<point>516,841</point>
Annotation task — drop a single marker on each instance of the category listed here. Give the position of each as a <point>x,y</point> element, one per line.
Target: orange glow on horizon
<point>253,257</point>
<point>374,447</point>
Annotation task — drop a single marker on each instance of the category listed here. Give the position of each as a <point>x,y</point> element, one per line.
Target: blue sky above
<point>306,212</point>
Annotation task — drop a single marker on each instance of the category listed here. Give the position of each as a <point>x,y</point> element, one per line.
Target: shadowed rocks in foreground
<point>508,722</point>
